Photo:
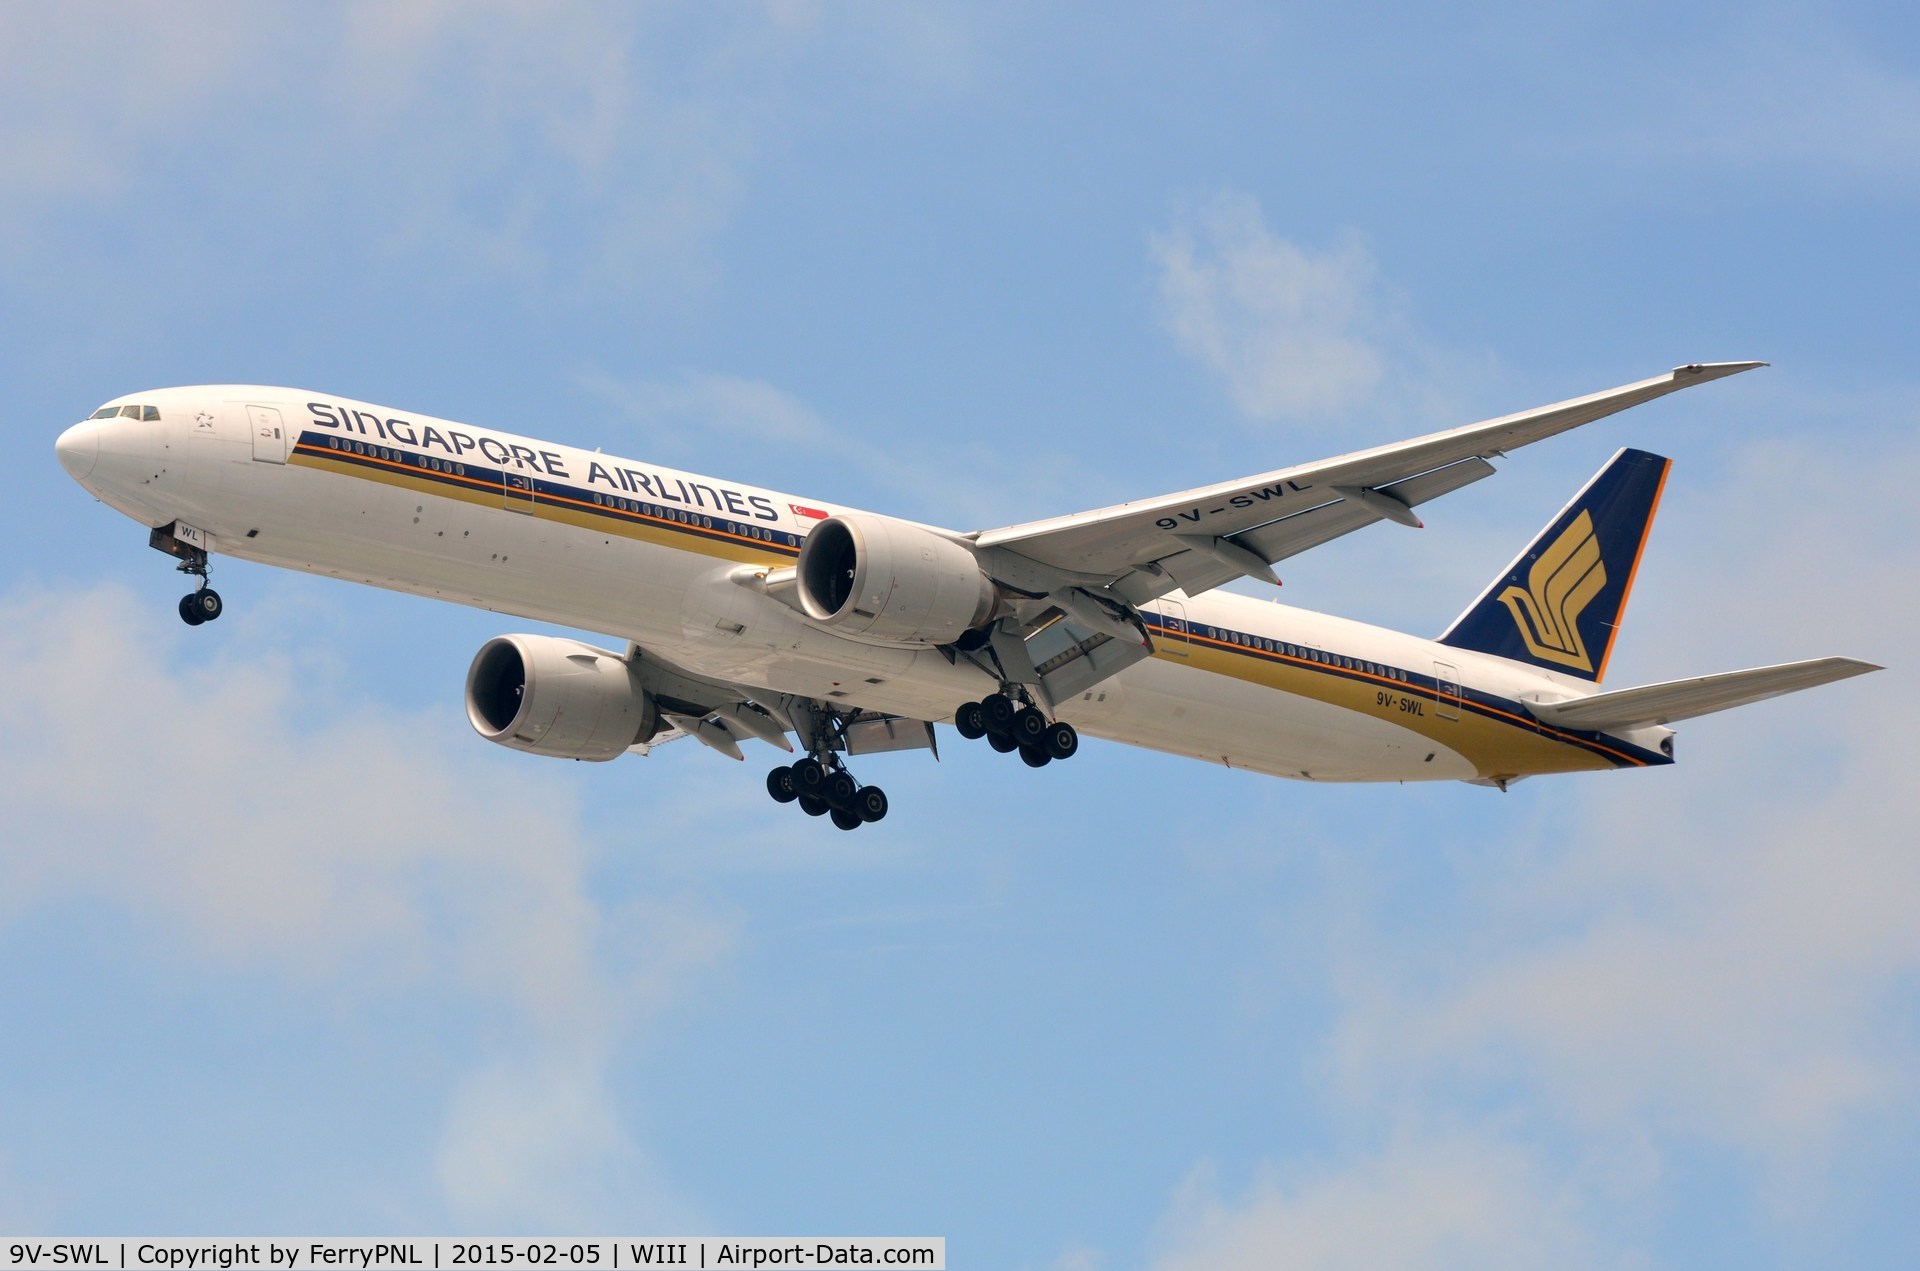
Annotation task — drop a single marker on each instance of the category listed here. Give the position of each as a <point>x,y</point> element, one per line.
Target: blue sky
<point>285,948</point>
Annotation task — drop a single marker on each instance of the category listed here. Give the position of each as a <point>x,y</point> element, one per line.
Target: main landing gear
<point>1009,726</point>
<point>820,783</point>
<point>827,789</point>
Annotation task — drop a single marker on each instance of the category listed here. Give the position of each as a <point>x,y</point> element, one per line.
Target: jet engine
<point>872,576</point>
<point>555,697</point>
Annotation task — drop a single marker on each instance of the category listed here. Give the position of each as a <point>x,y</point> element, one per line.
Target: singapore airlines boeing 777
<point>748,614</point>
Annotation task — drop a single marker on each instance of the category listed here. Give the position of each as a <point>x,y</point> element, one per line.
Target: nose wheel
<point>201,606</point>
<point>1008,727</point>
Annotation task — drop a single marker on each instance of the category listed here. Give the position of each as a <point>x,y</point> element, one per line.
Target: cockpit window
<point>145,414</point>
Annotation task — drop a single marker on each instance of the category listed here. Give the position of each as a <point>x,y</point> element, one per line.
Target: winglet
<point>1716,370</point>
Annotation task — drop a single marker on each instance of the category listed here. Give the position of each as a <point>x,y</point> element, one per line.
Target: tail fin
<point>1558,605</point>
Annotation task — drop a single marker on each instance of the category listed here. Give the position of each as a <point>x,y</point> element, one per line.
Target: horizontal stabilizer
<point>1684,699</point>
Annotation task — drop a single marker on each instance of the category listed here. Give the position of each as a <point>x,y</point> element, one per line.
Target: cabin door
<point>269,434</point>
<point>1174,618</point>
<point>1446,682</point>
<point>519,490</point>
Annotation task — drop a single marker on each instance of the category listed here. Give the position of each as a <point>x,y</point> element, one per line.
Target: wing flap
<point>1294,534</point>
<point>1687,699</point>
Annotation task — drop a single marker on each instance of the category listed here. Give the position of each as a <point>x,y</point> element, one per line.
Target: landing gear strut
<point>822,786</point>
<point>1009,726</point>
<point>203,603</point>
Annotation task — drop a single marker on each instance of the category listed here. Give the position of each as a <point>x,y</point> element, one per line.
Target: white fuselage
<point>343,488</point>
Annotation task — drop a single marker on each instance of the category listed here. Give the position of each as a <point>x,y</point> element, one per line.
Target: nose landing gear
<point>1009,726</point>
<point>203,603</point>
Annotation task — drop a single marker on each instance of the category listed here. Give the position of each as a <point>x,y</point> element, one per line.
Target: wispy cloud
<point>1717,957</point>
<point>592,156</point>
<point>1294,333</point>
<point>353,852</point>
<point>959,480</point>
<point>1454,1201</point>
<point>542,1143</point>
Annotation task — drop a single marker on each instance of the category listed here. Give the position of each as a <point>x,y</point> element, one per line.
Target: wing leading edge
<point>1199,539</point>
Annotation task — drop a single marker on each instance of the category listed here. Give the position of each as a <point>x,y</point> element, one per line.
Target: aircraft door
<point>1174,639</point>
<point>1446,680</point>
<point>518,488</point>
<point>269,434</point>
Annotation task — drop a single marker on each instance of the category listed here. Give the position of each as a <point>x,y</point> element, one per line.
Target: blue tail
<point>1558,606</point>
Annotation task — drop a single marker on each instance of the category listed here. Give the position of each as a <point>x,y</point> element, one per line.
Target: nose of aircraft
<point>78,448</point>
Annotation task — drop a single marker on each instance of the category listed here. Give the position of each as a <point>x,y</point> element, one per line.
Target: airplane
<point>749,614</point>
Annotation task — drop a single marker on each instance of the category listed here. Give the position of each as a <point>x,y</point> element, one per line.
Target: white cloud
<point>928,474</point>
<point>1293,332</point>
<point>83,87</point>
<point>542,1145</point>
<point>1717,958</point>
<point>701,405</point>
<point>1716,951</point>
<point>1422,1202</point>
<point>599,153</point>
<point>21,1207</point>
<point>356,852</point>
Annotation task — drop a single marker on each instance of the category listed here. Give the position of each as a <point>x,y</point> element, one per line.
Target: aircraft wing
<point>1199,539</point>
<point>720,715</point>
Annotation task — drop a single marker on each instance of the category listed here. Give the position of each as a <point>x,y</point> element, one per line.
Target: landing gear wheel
<point>847,820</point>
<point>997,711</point>
<point>971,721</point>
<point>1029,727</point>
<point>1062,742</point>
<point>190,612</point>
<point>208,601</point>
<point>1002,743</point>
<point>871,803</point>
<point>1034,757</point>
<point>840,791</point>
<point>812,806</point>
<point>780,785</point>
<point>809,778</point>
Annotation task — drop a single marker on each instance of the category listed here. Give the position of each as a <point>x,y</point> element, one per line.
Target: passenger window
<point>149,414</point>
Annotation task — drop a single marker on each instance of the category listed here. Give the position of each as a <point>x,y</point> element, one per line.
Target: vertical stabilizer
<point>1558,605</point>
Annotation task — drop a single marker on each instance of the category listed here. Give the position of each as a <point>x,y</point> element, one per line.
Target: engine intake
<point>869,575</point>
<point>555,697</point>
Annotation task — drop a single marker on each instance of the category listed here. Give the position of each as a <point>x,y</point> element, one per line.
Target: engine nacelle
<point>869,575</point>
<point>556,697</point>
